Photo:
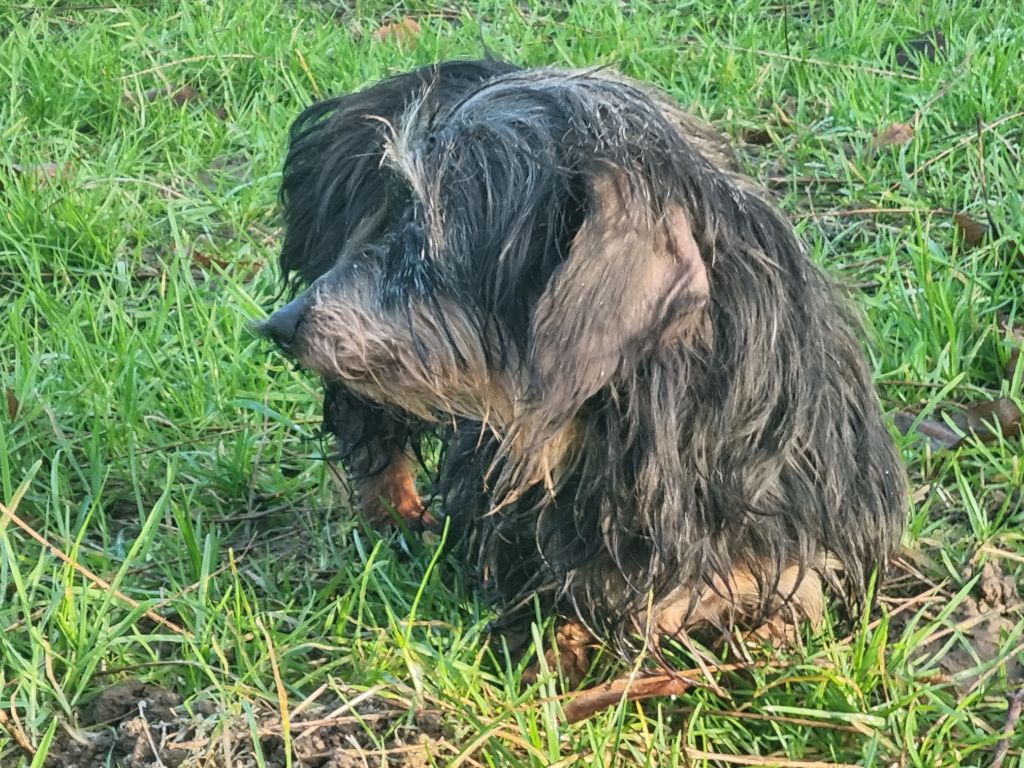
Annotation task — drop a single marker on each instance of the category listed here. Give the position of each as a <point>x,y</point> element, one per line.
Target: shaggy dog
<point>655,415</point>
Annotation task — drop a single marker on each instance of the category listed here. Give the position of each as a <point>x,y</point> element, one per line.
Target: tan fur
<point>798,597</point>
<point>392,491</point>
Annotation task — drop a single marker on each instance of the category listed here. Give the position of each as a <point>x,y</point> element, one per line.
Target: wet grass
<point>171,463</point>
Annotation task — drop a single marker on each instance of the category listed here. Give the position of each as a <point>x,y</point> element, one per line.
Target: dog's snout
<point>283,325</point>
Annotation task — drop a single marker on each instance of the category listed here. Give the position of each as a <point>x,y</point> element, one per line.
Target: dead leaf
<point>177,95</point>
<point>975,420</point>
<point>41,173</point>
<point>975,630</point>
<point>48,171</point>
<point>983,630</point>
<point>921,493</point>
<point>1002,412</point>
<point>208,262</point>
<point>1015,336</point>
<point>404,31</point>
<point>896,135</point>
<point>972,231</point>
<point>184,95</point>
<point>12,403</point>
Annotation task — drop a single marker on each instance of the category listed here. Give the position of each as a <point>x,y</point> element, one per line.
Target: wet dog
<point>655,414</point>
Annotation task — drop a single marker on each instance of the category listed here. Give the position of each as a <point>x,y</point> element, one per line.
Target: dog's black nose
<point>283,325</point>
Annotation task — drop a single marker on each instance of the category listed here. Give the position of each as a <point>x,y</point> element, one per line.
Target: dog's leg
<point>795,603</point>
<point>392,491</point>
<point>797,599</point>
<point>570,656</point>
<point>372,443</point>
<point>739,601</point>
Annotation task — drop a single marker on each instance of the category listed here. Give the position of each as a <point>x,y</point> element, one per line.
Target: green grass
<point>153,441</point>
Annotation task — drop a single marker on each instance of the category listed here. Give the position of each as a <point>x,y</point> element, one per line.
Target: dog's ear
<point>634,281</point>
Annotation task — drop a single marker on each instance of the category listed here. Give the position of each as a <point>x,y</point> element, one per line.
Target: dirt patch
<point>974,634</point>
<point>138,725</point>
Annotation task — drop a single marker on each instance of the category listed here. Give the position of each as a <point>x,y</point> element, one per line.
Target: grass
<point>154,443</point>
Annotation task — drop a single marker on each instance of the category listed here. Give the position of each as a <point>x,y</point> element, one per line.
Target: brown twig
<point>869,212</point>
<point>824,63</point>
<point>149,736</point>
<point>956,147</point>
<point>603,696</point>
<point>751,760</point>
<point>282,693</point>
<point>634,688</point>
<point>15,732</point>
<point>1016,702</point>
<point>101,583</point>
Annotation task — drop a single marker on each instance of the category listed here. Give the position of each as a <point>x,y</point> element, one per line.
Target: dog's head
<point>497,244</point>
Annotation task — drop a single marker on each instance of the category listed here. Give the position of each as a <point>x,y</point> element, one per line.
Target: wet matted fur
<point>655,412</point>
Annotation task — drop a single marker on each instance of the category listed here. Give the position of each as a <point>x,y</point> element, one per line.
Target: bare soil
<point>136,725</point>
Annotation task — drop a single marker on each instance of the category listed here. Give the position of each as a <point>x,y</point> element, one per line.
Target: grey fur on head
<point>655,411</point>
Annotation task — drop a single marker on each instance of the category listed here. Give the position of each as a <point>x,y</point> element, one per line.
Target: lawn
<point>182,581</point>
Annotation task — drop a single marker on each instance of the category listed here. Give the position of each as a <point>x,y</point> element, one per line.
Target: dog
<point>655,415</point>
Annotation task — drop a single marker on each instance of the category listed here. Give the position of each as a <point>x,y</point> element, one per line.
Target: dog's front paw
<point>570,657</point>
<point>389,497</point>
